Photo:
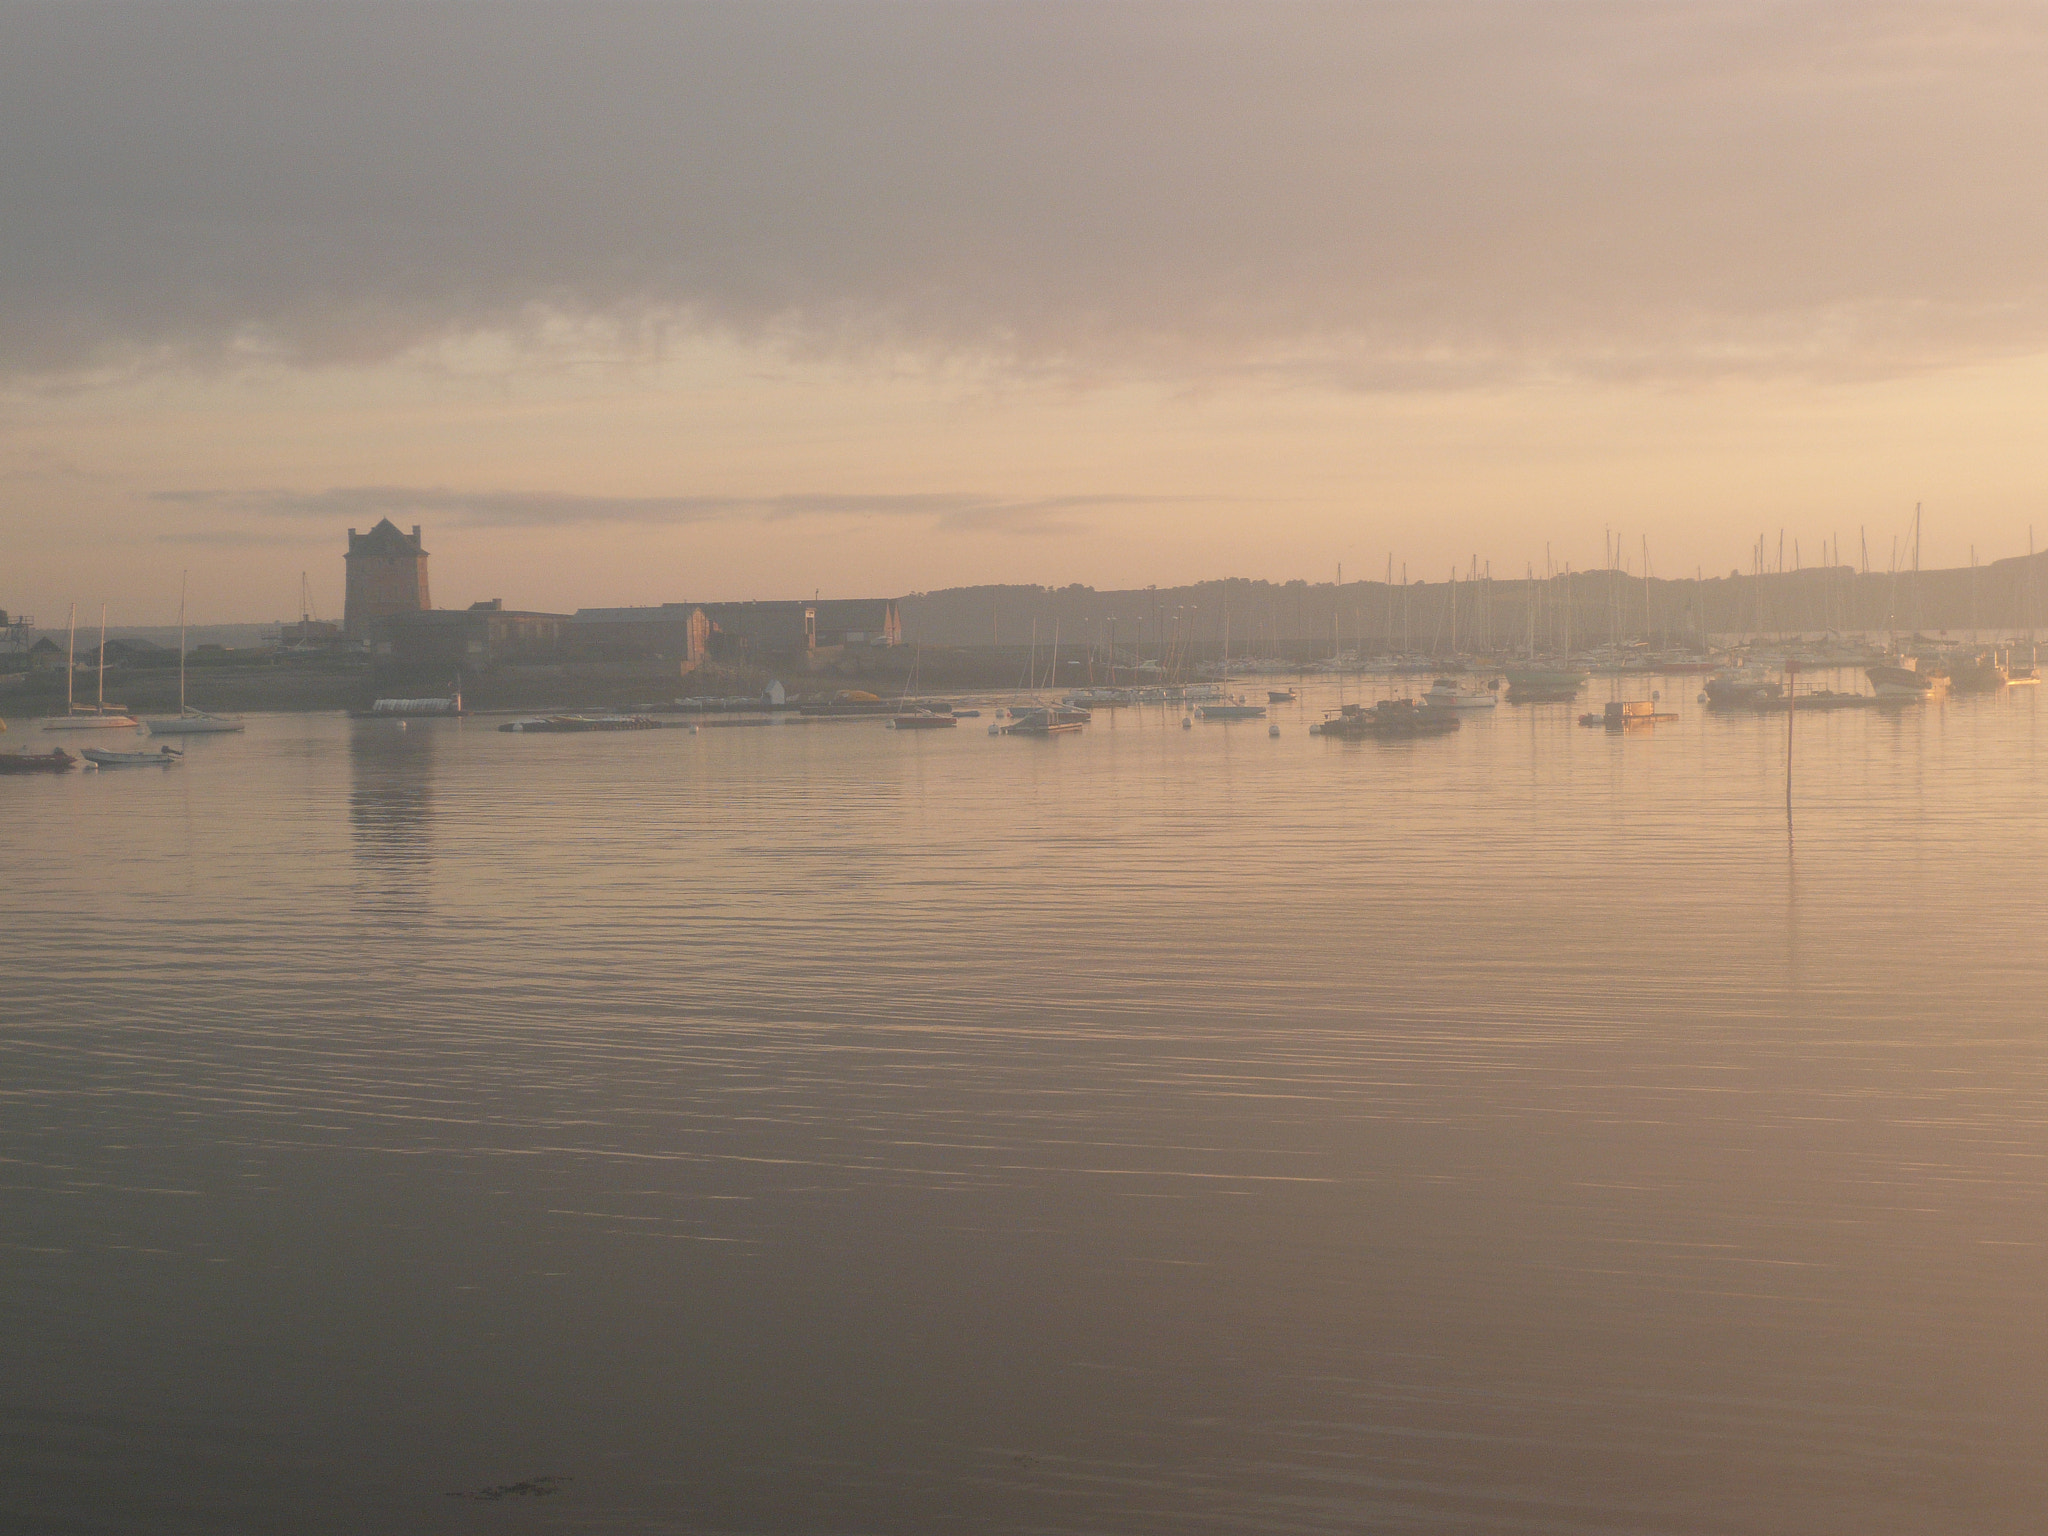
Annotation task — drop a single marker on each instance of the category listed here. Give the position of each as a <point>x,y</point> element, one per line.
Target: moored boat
<point>1235,710</point>
<point>56,760</point>
<point>189,721</point>
<point>1741,690</point>
<point>1042,722</point>
<point>90,720</point>
<point>1620,714</point>
<point>193,722</point>
<point>1823,700</point>
<point>1444,693</point>
<point>163,757</point>
<point>1388,718</point>
<point>102,716</point>
<point>446,707</point>
<point>1893,682</point>
<point>922,720</point>
<point>1546,680</point>
<point>559,725</point>
<point>1977,672</point>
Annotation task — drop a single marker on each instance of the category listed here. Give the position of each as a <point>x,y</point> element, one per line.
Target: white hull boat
<point>1445,694</point>
<point>102,716</point>
<point>1900,682</point>
<point>189,721</point>
<point>194,723</point>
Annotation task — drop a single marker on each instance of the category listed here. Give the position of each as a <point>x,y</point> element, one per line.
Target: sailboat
<point>2027,673</point>
<point>918,717</point>
<point>96,719</point>
<point>189,721</point>
<point>1233,709</point>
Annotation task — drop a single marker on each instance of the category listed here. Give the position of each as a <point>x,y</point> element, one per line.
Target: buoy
<point>1703,698</point>
<point>1272,730</point>
<point>1187,722</point>
<point>995,730</point>
<point>401,725</point>
<point>1655,695</point>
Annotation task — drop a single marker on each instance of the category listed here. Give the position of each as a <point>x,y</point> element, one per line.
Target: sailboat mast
<point>70,656</point>
<point>1646,589</point>
<point>100,705</point>
<point>182,575</point>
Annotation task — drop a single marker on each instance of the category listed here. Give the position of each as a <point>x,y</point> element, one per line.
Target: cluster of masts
<point>1617,609</point>
<point>103,716</point>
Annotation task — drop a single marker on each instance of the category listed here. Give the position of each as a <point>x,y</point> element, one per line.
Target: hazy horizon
<point>631,303</point>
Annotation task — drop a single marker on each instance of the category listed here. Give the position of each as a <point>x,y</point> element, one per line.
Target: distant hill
<point>1592,606</point>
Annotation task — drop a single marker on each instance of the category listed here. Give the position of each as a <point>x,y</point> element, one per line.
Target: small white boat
<point>163,757</point>
<point>1446,694</point>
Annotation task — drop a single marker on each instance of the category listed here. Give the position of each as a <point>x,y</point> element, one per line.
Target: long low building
<point>764,632</point>
<point>481,635</point>
<point>683,634</point>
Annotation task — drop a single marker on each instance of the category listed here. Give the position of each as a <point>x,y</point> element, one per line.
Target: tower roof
<point>385,539</point>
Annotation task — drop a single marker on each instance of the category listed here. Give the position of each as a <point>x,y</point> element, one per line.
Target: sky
<point>639,303</point>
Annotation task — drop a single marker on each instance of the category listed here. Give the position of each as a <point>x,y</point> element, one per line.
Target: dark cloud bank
<point>953,511</point>
<point>1376,194</point>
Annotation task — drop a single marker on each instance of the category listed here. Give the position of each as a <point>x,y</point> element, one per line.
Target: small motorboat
<point>1741,690</point>
<point>1042,722</point>
<point>1238,710</point>
<point>163,757</point>
<point>922,720</point>
<point>1444,693</point>
<point>1280,696</point>
<point>56,760</point>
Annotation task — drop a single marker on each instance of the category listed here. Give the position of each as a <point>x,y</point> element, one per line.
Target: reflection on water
<point>391,788</point>
<point>819,1128</point>
<point>390,817</point>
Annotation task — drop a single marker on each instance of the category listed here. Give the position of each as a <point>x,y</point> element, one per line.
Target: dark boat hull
<point>54,761</point>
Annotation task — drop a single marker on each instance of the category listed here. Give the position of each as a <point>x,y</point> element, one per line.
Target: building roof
<point>664,613</point>
<point>476,613</point>
<point>385,539</point>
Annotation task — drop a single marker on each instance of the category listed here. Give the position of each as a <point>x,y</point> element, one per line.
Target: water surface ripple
<point>819,1129</point>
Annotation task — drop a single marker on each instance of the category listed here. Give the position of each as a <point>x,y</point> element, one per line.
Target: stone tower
<point>387,573</point>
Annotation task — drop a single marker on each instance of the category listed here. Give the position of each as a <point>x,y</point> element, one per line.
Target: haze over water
<point>818,1128</point>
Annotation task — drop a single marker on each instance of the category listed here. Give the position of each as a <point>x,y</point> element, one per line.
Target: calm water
<point>821,1129</point>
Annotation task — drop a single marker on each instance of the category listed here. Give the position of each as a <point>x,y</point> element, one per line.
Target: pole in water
<point>1791,714</point>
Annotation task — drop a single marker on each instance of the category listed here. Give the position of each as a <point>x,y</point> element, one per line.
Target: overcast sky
<point>636,303</point>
